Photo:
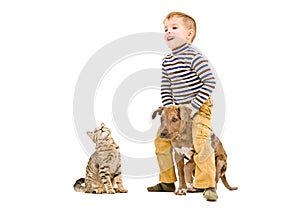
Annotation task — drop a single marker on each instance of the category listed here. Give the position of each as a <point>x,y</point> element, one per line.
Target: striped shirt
<point>187,78</point>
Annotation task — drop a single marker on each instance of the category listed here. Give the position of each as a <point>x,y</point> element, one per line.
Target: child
<point>187,79</point>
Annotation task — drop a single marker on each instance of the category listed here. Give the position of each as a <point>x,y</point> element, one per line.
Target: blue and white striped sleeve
<point>166,91</point>
<point>203,69</point>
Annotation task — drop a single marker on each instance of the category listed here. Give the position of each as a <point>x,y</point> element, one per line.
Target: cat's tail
<point>79,185</point>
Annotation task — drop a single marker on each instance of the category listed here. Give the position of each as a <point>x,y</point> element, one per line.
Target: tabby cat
<point>103,170</point>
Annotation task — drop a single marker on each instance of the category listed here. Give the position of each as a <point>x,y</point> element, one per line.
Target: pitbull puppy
<point>176,125</point>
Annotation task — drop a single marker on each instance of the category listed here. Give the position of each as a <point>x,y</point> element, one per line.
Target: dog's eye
<point>174,119</point>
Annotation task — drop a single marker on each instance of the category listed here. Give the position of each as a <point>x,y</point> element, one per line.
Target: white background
<point>253,45</point>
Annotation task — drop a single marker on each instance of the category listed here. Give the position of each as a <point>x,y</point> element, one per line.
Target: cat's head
<point>101,134</point>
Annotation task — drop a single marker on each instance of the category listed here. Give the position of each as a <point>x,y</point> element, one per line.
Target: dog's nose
<point>163,134</point>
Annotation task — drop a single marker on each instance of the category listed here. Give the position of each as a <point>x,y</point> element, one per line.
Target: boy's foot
<point>162,187</point>
<point>210,194</point>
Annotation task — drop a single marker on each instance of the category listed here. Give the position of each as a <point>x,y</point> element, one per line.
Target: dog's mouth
<point>168,136</point>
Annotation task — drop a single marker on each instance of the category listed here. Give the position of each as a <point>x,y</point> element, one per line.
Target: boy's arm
<point>166,91</point>
<point>204,71</point>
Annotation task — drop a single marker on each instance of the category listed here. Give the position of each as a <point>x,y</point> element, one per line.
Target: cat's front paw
<point>101,191</point>
<point>111,191</point>
<point>122,190</point>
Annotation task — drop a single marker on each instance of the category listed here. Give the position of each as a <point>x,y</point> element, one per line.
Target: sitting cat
<point>103,170</point>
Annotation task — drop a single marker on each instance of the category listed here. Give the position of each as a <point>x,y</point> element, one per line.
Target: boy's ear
<point>191,34</point>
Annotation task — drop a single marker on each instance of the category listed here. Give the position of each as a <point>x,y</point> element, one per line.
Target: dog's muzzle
<point>163,134</point>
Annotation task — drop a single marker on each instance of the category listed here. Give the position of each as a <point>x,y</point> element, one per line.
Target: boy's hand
<point>193,112</point>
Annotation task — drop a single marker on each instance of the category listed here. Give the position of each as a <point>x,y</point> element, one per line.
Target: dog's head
<point>174,120</point>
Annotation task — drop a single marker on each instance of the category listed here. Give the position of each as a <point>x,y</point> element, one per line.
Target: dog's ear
<point>184,112</point>
<point>158,111</point>
<point>178,113</point>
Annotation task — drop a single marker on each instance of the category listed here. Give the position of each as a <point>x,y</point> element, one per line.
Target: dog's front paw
<point>191,189</point>
<point>181,191</point>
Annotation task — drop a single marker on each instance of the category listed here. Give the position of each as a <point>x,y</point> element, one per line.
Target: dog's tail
<point>79,185</point>
<point>223,178</point>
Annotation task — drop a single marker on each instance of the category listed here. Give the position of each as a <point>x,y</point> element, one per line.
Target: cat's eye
<point>97,130</point>
<point>174,119</point>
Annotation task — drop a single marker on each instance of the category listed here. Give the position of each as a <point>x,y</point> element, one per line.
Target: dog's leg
<point>180,166</point>
<point>220,169</point>
<point>189,170</point>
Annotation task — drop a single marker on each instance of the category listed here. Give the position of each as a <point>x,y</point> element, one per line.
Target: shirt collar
<point>181,48</point>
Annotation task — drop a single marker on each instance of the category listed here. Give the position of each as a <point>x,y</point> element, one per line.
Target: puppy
<point>176,125</point>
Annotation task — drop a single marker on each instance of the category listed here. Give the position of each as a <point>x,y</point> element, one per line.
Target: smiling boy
<point>187,79</point>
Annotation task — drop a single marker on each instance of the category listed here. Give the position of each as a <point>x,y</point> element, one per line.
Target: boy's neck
<point>181,48</point>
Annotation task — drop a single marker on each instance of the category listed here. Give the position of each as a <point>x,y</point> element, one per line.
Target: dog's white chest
<point>185,151</point>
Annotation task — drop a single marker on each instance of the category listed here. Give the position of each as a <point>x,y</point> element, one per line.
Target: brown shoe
<point>162,187</point>
<point>210,194</point>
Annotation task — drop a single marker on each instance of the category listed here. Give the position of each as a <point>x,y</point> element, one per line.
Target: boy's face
<point>176,33</point>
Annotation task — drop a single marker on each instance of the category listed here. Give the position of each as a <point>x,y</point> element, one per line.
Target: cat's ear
<point>90,134</point>
<point>103,124</point>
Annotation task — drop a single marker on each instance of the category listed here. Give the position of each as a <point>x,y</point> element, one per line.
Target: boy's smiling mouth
<point>170,38</point>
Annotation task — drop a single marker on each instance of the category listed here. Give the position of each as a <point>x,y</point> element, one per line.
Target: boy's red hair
<point>189,22</point>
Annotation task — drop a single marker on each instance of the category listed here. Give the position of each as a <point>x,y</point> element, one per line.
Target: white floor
<point>139,197</point>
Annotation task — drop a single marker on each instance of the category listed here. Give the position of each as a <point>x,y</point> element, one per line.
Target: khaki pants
<point>204,156</point>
